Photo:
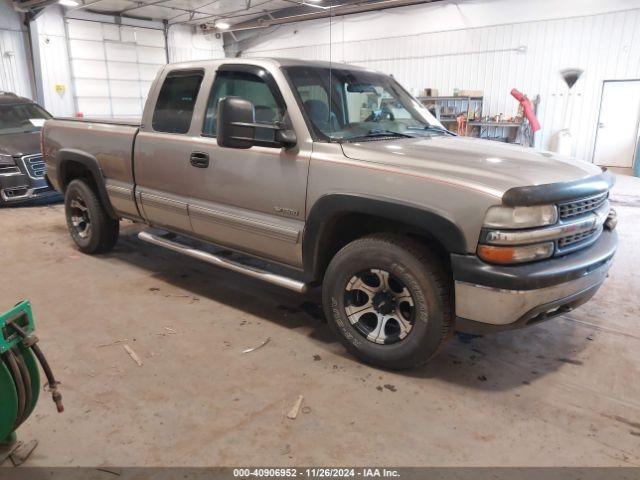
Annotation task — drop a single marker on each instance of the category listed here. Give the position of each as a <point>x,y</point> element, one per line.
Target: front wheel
<point>91,228</point>
<point>388,299</point>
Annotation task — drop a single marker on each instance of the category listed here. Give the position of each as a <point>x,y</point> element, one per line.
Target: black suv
<point>21,166</point>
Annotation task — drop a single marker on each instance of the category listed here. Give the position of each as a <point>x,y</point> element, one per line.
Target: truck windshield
<point>21,118</point>
<point>363,105</point>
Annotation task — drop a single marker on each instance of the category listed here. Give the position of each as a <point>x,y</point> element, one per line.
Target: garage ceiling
<point>236,13</point>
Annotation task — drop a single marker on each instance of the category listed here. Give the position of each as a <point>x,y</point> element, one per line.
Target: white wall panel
<point>125,107</point>
<point>14,59</point>
<point>52,55</point>
<point>120,52</point>
<point>130,56</point>
<point>99,107</point>
<point>185,44</point>
<point>606,44</point>
<point>85,49</point>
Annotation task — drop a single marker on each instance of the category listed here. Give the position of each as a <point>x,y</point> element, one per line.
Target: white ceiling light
<point>222,25</point>
<point>314,4</point>
<point>68,3</point>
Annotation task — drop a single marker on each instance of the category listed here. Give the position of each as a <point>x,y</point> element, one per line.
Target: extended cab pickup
<point>335,175</point>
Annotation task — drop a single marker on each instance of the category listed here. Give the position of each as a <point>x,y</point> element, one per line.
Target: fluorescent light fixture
<point>314,4</point>
<point>222,25</point>
<point>68,3</point>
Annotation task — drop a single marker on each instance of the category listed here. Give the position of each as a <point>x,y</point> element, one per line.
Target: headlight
<point>510,255</point>
<point>521,217</point>
<point>7,161</point>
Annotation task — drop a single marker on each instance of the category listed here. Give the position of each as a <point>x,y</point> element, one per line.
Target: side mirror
<point>237,127</point>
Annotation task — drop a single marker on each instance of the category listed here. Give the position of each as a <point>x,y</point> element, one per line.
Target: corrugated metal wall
<point>53,57</point>
<point>14,58</point>
<point>496,59</point>
<point>186,43</point>
<point>113,66</point>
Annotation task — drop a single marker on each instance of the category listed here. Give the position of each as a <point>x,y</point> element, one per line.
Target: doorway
<point>617,134</point>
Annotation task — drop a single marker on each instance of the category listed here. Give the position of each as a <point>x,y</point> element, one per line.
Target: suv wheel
<point>90,226</point>
<point>388,299</point>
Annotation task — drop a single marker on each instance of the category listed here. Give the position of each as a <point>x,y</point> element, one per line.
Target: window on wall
<point>113,67</point>
<point>176,100</point>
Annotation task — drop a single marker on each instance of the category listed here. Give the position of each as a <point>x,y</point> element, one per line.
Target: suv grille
<point>34,166</point>
<point>579,207</point>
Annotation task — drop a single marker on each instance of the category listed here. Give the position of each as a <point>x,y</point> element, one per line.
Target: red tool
<point>527,106</point>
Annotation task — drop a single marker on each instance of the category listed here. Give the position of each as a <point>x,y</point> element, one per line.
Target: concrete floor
<point>562,393</point>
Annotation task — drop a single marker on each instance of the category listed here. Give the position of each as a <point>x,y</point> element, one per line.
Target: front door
<point>617,135</point>
<point>251,200</point>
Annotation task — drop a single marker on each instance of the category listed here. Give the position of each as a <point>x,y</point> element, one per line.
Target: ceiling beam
<point>338,10</point>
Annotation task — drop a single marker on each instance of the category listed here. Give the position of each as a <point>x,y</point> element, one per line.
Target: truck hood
<point>494,167</point>
<point>19,144</point>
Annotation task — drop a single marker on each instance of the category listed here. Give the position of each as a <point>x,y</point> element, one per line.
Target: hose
<point>14,370</point>
<point>51,380</point>
<point>26,380</point>
<point>30,341</point>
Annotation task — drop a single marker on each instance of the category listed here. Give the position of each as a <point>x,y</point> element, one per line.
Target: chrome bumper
<point>538,291</point>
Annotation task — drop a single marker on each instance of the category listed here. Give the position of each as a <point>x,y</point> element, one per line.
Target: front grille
<point>580,207</point>
<point>576,238</point>
<point>34,166</point>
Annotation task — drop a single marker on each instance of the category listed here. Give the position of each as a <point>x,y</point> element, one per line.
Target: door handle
<point>200,159</point>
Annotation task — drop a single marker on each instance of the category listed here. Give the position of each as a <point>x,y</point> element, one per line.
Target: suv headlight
<point>499,248</point>
<point>521,217</point>
<point>7,161</point>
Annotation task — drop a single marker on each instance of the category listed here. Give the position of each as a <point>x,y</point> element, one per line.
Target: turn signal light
<point>510,255</point>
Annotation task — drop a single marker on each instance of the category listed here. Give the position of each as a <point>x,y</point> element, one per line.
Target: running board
<point>269,277</point>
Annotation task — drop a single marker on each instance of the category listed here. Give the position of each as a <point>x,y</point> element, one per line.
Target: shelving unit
<point>447,108</point>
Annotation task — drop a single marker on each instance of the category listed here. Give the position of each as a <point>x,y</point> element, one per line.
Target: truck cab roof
<point>266,62</point>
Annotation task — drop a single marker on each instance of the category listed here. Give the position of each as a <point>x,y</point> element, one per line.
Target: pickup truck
<point>334,175</point>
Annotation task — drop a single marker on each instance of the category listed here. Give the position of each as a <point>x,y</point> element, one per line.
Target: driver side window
<point>247,86</point>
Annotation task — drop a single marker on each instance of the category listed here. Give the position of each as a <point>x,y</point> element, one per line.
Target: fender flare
<point>327,207</point>
<point>67,155</point>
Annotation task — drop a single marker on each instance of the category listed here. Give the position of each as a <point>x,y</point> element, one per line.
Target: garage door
<point>113,67</point>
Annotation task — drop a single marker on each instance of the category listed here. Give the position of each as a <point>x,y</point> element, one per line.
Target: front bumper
<point>18,188</point>
<point>492,298</point>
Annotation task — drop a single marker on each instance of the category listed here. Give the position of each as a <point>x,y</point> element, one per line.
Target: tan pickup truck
<point>335,175</point>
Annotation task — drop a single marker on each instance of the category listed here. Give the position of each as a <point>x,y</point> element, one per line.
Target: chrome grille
<point>34,166</point>
<point>576,238</point>
<point>580,207</point>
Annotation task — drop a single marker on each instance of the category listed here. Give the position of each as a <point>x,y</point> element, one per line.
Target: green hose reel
<point>19,374</point>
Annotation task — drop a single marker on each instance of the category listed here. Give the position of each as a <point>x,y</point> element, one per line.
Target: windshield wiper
<point>386,133</point>
<point>433,128</point>
<point>378,133</point>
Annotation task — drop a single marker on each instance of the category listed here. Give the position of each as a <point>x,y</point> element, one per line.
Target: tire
<point>91,228</point>
<point>409,269</point>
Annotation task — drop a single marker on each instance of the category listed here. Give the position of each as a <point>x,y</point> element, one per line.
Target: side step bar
<point>272,278</point>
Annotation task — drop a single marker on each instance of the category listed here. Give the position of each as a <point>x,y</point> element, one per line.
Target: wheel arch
<point>75,164</point>
<point>334,214</point>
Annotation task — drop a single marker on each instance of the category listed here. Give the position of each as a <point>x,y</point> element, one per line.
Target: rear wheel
<point>91,228</point>
<point>388,299</point>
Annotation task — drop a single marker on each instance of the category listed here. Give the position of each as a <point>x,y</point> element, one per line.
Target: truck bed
<point>107,144</point>
<point>130,122</point>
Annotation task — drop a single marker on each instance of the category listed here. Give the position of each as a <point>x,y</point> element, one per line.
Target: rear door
<point>163,160</point>
<point>251,200</point>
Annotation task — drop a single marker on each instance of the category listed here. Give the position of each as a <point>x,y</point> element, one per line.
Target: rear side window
<point>177,98</point>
